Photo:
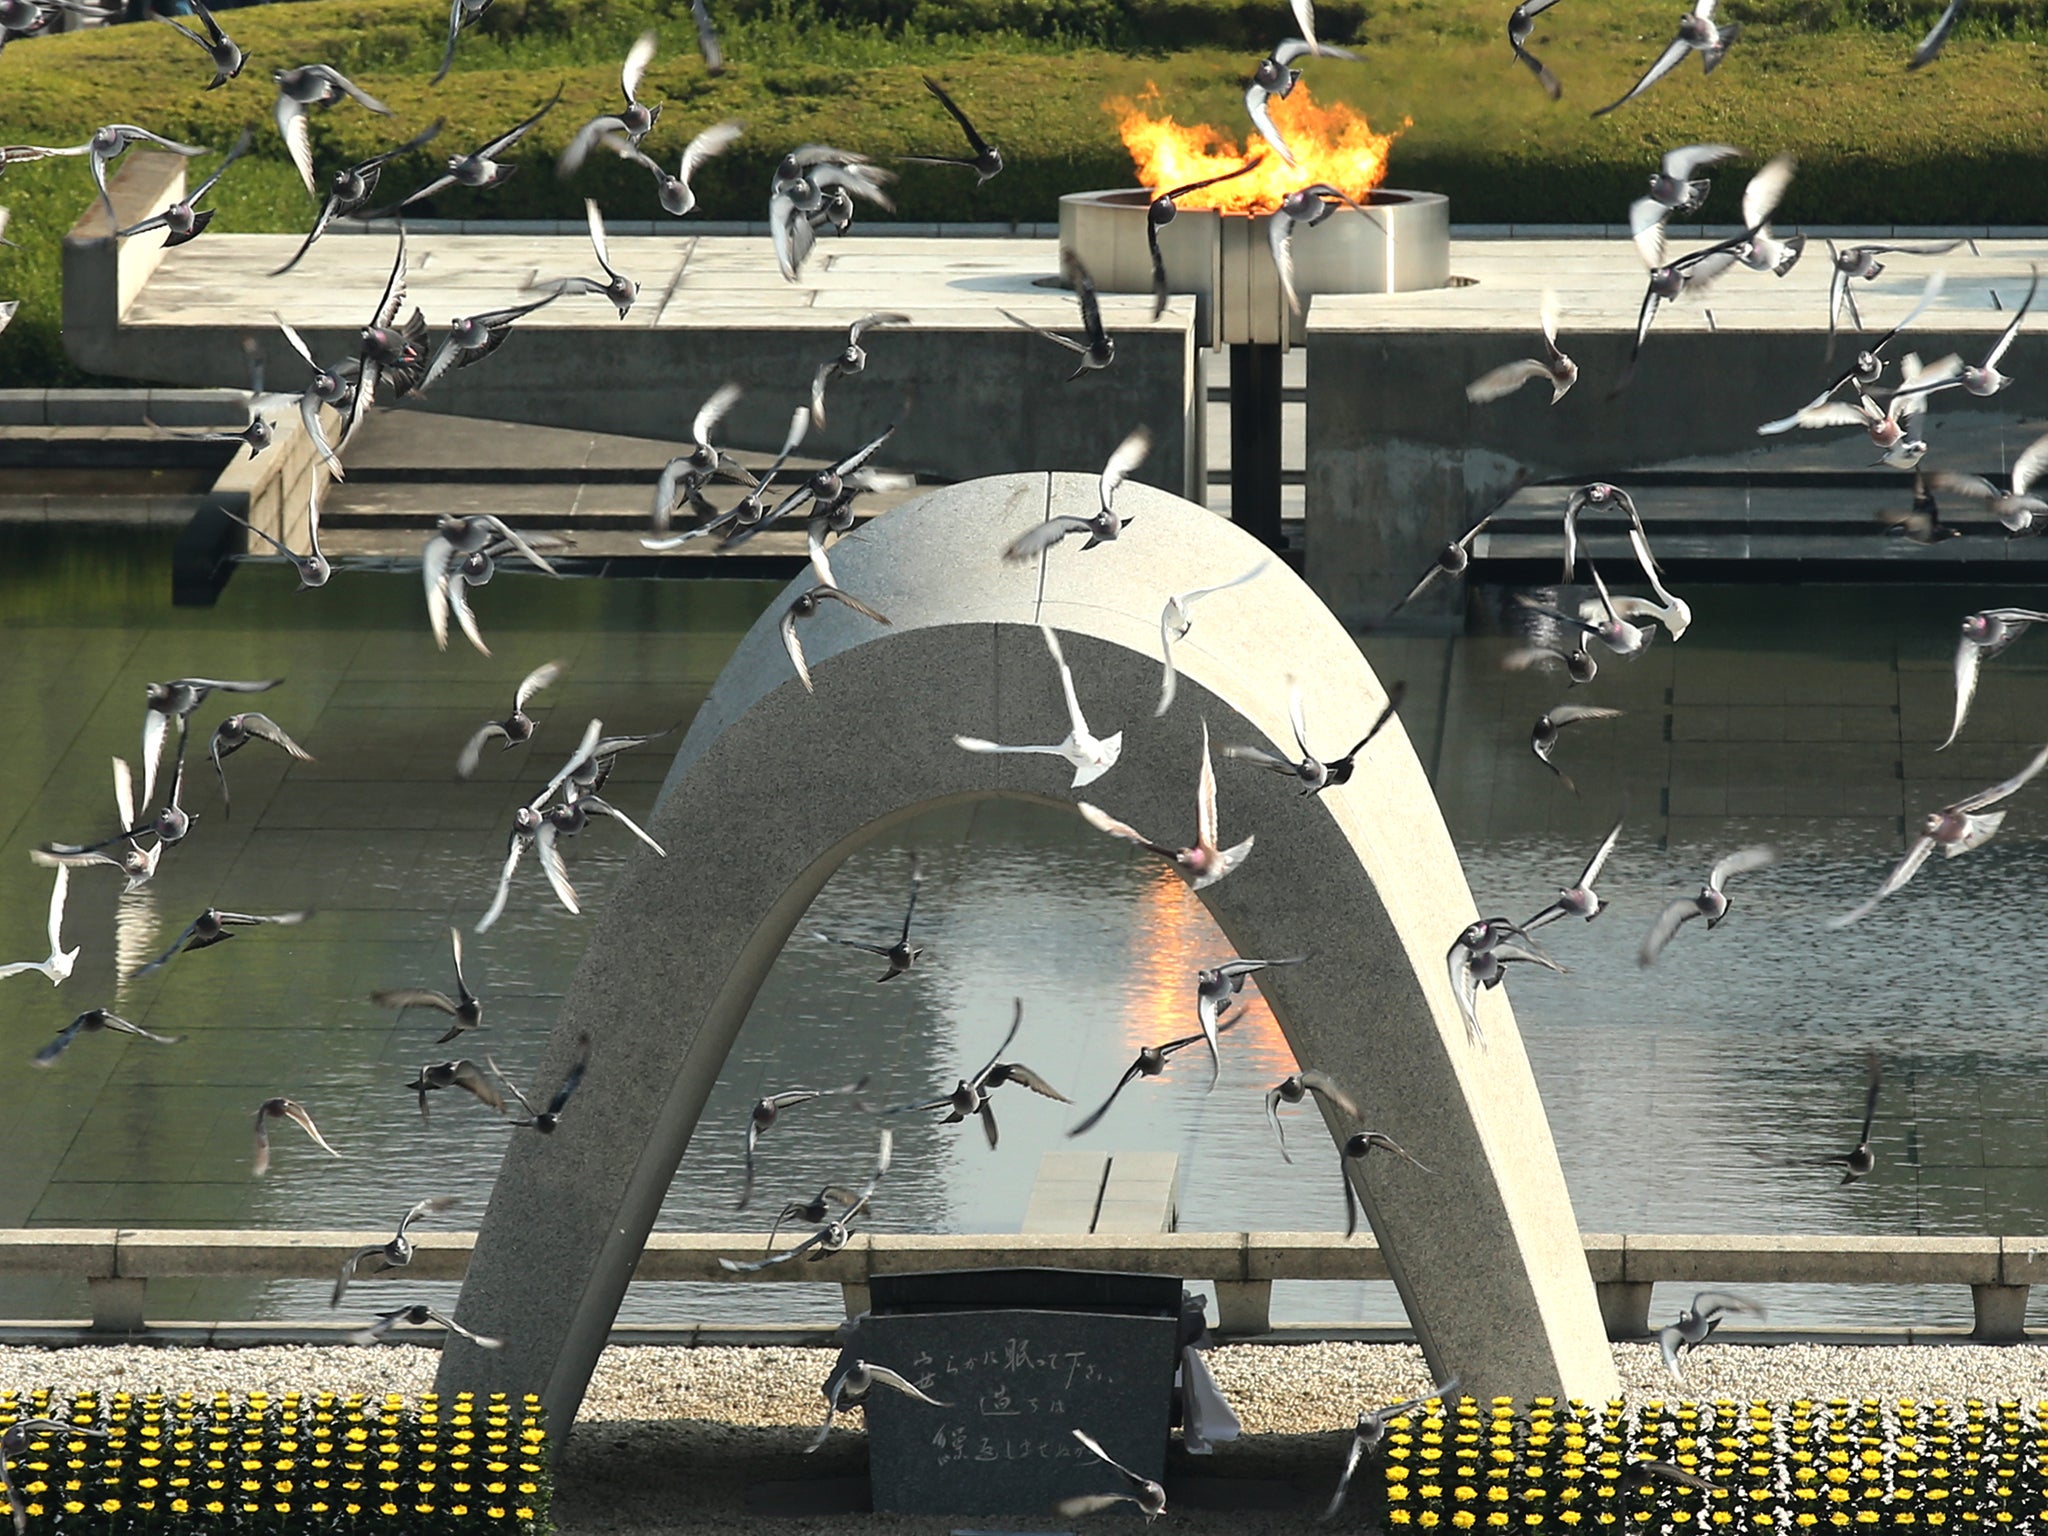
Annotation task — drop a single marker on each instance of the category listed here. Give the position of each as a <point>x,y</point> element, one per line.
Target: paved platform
<point>970,392</point>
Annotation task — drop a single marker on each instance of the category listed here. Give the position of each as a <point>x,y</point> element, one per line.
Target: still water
<point>1697,1096</point>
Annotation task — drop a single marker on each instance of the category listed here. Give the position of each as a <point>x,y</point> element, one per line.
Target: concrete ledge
<point>153,1254</point>
<point>84,1251</point>
<point>191,1334</point>
<point>24,407</point>
<point>175,407</point>
<point>145,1253</point>
<point>1606,1255</point>
<point>689,229</point>
<point>272,490</point>
<point>1312,1256</point>
<point>1243,1266</point>
<point>1739,1260</point>
<point>103,275</point>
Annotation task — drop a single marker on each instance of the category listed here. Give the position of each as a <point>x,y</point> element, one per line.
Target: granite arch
<point>773,787</point>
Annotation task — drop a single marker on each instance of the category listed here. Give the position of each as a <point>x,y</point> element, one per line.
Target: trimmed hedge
<point>1963,142</point>
<point>1983,18</point>
<point>1154,24</point>
<point>1960,143</point>
<point>299,1463</point>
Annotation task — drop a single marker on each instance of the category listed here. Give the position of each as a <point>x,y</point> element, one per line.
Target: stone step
<point>1983,554</point>
<point>1715,507</point>
<point>406,469</point>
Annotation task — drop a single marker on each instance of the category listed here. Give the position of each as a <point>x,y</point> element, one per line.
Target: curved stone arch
<point>772,788</point>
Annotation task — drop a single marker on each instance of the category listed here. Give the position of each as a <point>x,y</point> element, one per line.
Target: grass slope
<point>1964,141</point>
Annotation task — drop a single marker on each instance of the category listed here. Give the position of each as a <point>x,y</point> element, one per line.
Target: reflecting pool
<point>1698,1095</point>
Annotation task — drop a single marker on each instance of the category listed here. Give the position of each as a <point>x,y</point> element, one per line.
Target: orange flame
<point>1331,144</point>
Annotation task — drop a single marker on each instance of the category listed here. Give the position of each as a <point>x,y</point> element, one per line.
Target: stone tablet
<point>1017,1383</point>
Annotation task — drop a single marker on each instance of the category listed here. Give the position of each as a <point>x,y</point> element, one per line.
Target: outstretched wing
<point>269,730</point>
<point>1741,862</point>
<point>497,907</point>
<point>298,141</point>
<point>1089,1124</point>
<point>1129,454</point>
<point>1505,380</point>
<point>1255,98</point>
<point>974,140</point>
<point>2029,466</point>
<point>795,647</point>
<point>1666,62</point>
<point>1090,1504</point>
<point>1260,756</point>
<point>165,957</point>
<point>1931,45</point>
<point>512,136</point>
<point>1765,190</point>
<point>715,140</point>
<point>606,808</point>
<point>1040,537</point>
<point>638,57</point>
<point>1902,872</point>
<point>1205,796</point>
<point>1280,237</point>
<point>550,856</point>
<point>1102,822</point>
<point>1969,658</point>
<point>707,38</point>
<point>712,412</point>
<point>1351,1460</point>
<point>454,31</point>
<point>1599,859</point>
<point>539,678</point>
<point>297,1113</point>
<point>1669,921</point>
<point>889,1378</point>
<point>2001,791</point>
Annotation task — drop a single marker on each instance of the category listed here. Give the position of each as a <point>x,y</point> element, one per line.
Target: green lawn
<point>1964,141</point>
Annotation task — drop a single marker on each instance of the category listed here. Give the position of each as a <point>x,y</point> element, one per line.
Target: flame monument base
<point>1226,260</point>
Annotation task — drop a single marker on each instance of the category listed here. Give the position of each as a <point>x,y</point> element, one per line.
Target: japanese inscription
<point>1016,1385</point>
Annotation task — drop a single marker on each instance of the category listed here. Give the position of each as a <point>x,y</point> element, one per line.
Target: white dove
<point>58,966</point>
<point>1091,755</point>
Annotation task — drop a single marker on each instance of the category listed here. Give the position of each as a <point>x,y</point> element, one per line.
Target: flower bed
<point>1868,1465</point>
<point>300,1462</point>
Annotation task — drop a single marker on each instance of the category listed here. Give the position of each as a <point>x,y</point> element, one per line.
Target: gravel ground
<point>708,1440</point>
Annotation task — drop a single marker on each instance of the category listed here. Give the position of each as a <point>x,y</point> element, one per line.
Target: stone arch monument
<point>773,787</point>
